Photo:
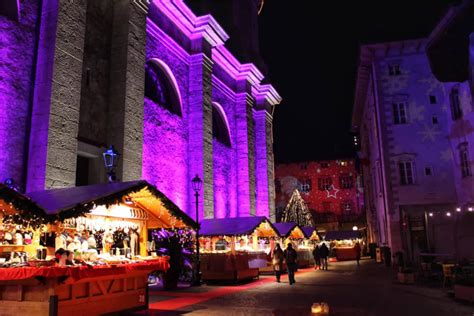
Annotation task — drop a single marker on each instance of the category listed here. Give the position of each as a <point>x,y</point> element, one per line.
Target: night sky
<point>311,49</point>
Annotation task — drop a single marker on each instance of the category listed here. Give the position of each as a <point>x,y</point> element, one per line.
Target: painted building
<point>330,189</point>
<point>405,119</point>
<point>151,78</point>
<point>450,50</point>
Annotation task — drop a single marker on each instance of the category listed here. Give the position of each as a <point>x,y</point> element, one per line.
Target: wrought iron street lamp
<point>111,158</point>
<point>197,184</point>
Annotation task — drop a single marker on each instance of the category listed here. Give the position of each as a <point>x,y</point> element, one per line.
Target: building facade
<point>405,116</point>
<point>151,78</point>
<point>330,189</point>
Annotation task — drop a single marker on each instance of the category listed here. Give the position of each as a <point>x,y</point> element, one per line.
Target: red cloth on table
<point>81,272</point>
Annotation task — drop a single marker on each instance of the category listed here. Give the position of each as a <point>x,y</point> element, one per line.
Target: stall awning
<point>237,226</point>
<point>310,232</point>
<point>341,235</point>
<point>13,201</point>
<point>77,201</point>
<point>289,230</point>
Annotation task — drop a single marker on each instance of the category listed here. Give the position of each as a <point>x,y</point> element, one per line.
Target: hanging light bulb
<point>430,214</point>
<point>458,209</point>
<point>448,214</point>
<point>470,209</point>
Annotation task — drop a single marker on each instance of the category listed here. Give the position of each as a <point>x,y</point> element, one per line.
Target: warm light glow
<point>430,214</point>
<point>458,209</point>
<point>448,214</point>
<point>470,209</point>
<point>355,228</point>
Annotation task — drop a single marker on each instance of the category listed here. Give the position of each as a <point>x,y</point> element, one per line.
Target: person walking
<point>277,261</point>
<point>323,254</point>
<point>290,256</point>
<point>358,251</point>
<point>317,259</point>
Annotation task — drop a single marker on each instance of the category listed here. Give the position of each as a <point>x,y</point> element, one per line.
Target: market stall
<point>311,235</point>
<point>342,243</point>
<point>81,248</point>
<point>235,248</point>
<point>292,233</point>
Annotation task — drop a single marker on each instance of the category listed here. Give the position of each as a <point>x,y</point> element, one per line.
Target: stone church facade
<point>153,79</point>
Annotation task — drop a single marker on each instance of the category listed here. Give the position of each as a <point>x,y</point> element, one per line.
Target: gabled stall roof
<point>341,235</point>
<point>76,201</point>
<point>287,229</point>
<point>236,226</point>
<point>11,200</point>
<point>308,231</point>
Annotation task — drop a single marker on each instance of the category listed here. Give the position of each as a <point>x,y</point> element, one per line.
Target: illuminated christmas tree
<point>297,211</point>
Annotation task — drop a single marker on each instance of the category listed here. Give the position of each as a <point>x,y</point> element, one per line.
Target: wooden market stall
<point>342,243</point>
<point>311,234</point>
<point>292,233</point>
<point>235,248</point>
<point>103,229</point>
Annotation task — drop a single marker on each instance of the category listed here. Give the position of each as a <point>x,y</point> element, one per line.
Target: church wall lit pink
<point>238,177</point>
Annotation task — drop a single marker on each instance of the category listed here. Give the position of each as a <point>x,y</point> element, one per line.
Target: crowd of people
<point>290,257</point>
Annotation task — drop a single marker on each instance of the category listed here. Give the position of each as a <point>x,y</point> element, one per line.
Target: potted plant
<point>406,275</point>
<point>464,285</point>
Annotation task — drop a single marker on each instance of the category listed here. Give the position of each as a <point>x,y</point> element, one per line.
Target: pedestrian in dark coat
<point>277,261</point>
<point>291,256</point>
<point>358,250</point>
<point>323,254</point>
<point>317,258</point>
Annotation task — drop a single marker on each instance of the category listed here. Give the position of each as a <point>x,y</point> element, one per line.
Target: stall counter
<point>76,290</point>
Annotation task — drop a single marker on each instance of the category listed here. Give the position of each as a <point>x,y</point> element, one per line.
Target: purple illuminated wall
<point>225,200</point>
<point>165,136</point>
<point>17,53</point>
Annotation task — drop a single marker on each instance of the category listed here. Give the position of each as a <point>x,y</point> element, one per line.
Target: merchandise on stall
<point>235,248</point>
<point>66,240</point>
<point>292,233</point>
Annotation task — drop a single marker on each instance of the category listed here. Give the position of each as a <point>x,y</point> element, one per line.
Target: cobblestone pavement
<point>349,290</point>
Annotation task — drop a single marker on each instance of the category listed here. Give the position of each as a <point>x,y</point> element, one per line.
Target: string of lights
<point>448,213</point>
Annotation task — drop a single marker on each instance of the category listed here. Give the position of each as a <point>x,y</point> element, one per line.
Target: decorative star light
<point>332,188</point>
<point>434,86</point>
<point>429,133</point>
<point>416,111</point>
<point>446,155</point>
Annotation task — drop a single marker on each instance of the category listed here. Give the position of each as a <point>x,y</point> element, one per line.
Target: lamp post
<point>197,184</point>
<point>111,158</point>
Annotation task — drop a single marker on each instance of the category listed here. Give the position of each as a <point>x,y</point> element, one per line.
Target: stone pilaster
<point>200,133</point>
<point>55,115</point>
<point>125,122</point>
<point>264,164</point>
<point>245,154</point>
<point>471,64</point>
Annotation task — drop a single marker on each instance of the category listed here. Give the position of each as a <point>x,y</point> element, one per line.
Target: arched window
<point>220,126</point>
<point>456,111</point>
<point>161,87</point>
<point>10,9</point>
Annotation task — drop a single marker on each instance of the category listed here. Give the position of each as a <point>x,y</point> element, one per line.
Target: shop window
<point>433,99</point>
<point>324,164</point>
<point>464,159</point>
<point>406,172</point>
<point>346,181</point>
<point>394,70</point>
<point>220,127</point>
<point>324,183</point>
<point>305,186</point>
<point>399,113</point>
<point>456,111</point>
<point>10,9</point>
<point>160,86</point>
